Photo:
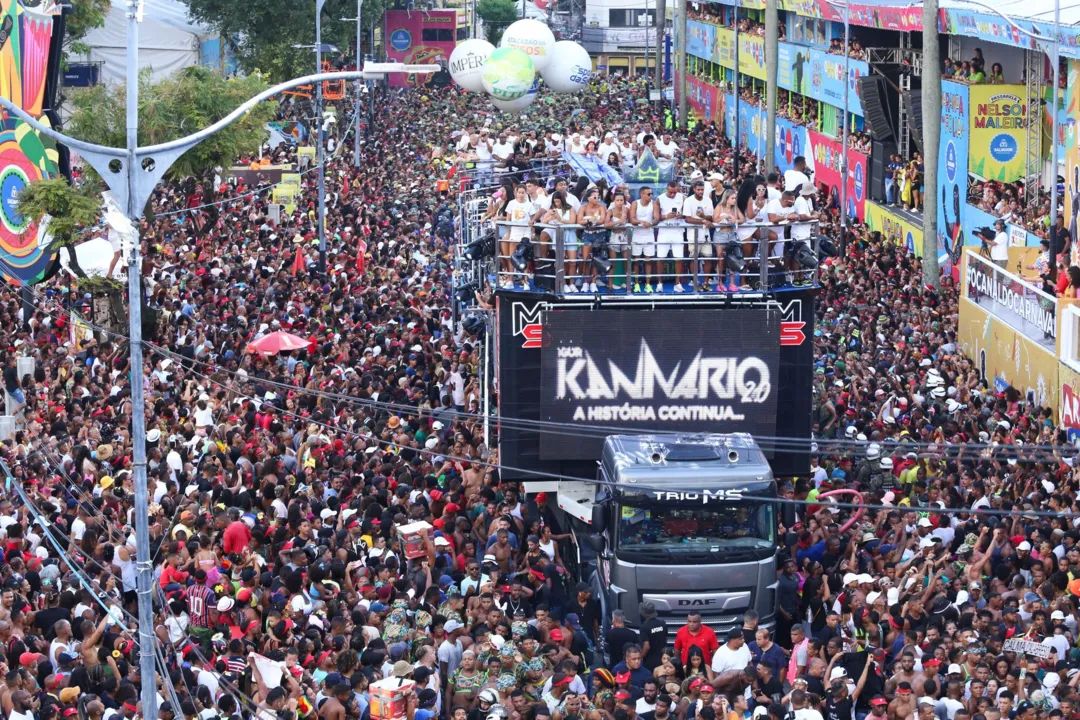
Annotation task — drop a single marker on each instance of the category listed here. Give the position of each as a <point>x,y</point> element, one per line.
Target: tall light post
<point>359,83</point>
<point>132,173</point>
<point>844,143</point>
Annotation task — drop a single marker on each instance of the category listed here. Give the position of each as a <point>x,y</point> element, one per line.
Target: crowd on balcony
<point>1006,201</point>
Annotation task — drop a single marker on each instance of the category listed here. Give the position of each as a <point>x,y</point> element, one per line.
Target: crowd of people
<point>283,589</point>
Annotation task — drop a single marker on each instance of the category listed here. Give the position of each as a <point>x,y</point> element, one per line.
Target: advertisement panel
<point>1072,148</point>
<point>1007,358</point>
<point>1021,305</point>
<point>703,98</point>
<point>894,228</point>
<point>604,367</point>
<point>627,353</point>
<point>793,68</point>
<point>996,146</point>
<point>1069,401</point>
<point>701,39</point>
<point>405,34</point>
<point>827,80</point>
<point>824,157</point>
<point>953,169</point>
<point>752,56</point>
<point>791,142</point>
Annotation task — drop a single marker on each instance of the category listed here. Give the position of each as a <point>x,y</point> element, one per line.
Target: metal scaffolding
<point>1034,61</point>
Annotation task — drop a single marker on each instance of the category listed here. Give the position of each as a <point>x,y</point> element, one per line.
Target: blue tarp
<point>592,168</point>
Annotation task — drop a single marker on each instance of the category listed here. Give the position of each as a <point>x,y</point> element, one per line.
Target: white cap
<point>865,578</point>
<point>872,597</point>
<point>838,672</point>
<point>327,513</point>
<point>1025,545</point>
<point>1057,615</point>
<point>961,598</point>
<point>926,542</point>
<point>442,541</point>
<point>892,596</point>
<point>1051,680</point>
<point>850,578</point>
<point>954,668</point>
<point>925,522</point>
<point>225,604</point>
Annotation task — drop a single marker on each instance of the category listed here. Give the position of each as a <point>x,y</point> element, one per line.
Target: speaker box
<point>875,102</point>
<point>879,160</point>
<point>913,98</point>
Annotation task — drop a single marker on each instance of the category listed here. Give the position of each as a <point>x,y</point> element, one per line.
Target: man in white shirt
<point>483,158</point>
<point>797,175</point>
<point>627,150</point>
<point>998,239</point>
<point>698,210</point>
<point>667,149</point>
<point>771,188</point>
<point>554,143</point>
<point>780,211</point>
<point>732,655</point>
<point>607,147</point>
<point>502,150</point>
<point>669,239</point>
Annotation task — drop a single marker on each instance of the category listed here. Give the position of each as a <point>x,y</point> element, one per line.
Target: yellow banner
<point>998,140</point>
<point>291,179</point>
<point>894,228</point>
<point>285,195</point>
<point>1007,357</point>
<point>305,152</point>
<point>751,51</point>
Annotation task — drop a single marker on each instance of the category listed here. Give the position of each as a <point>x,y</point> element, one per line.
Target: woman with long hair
<point>724,218</point>
<point>560,213</point>
<point>591,216</point>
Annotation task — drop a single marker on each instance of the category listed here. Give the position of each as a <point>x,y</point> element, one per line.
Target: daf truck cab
<point>686,522</point>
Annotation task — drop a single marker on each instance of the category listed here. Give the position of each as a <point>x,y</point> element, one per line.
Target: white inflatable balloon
<point>534,38</point>
<point>467,63</point>
<point>569,69</point>
<point>508,74</point>
<point>516,106</point>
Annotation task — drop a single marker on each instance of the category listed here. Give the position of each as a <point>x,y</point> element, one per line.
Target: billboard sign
<point>607,367</point>
<point>998,119</point>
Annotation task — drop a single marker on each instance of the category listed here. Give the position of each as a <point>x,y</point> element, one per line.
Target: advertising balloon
<point>467,63</point>
<point>508,74</point>
<point>516,106</point>
<point>532,37</point>
<point>569,69</point>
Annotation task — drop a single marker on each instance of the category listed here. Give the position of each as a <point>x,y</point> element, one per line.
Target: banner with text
<point>894,228</point>
<point>824,157</point>
<point>827,80</point>
<point>1072,149</point>
<point>615,368</point>
<point>953,230</point>
<point>998,117</point>
<point>1018,303</point>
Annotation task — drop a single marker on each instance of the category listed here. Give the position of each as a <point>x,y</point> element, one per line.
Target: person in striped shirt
<point>201,607</point>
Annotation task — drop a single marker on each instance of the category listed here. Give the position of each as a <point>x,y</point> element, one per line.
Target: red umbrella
<point>277,342</point>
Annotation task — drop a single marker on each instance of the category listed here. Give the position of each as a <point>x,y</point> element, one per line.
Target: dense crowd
<point>278,483</point>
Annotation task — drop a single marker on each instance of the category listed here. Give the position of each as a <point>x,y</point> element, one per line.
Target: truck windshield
<point>647,524</point>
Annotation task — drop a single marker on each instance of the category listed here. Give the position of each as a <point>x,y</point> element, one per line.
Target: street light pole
<point>1053,141</point>
<point>359,84</point>
<point>322,141</point>
<point>144,578</point>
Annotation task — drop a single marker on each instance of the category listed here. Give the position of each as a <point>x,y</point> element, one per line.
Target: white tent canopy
<point>168,40</point>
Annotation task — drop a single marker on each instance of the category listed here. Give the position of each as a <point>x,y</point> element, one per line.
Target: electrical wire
<point>766,442</point>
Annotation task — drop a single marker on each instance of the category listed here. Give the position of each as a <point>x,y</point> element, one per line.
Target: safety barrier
<point>671,258</point>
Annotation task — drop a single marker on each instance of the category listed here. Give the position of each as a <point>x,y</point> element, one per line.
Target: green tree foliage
<point>71,210</point>
<point>85,15</point>
<point>190,100</point>
<point>497,15</point>
<point>255,29</point>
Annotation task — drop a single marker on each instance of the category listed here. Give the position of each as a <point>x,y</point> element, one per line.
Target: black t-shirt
<point>842,710</point>
<point>46,619</point>
<point>656,632</point>
<point>773,688</point>
<point>617,639</point>
<point>588,615</point>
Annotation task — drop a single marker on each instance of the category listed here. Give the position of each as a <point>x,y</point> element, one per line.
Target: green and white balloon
<point>508,74</point>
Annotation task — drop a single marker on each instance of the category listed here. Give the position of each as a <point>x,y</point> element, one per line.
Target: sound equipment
<point>913,98</point>
<point>880,152</point>
<point>872,89</point>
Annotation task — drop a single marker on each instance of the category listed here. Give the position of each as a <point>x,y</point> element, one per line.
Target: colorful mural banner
<point>1072,147</point>
<point>894,228</point>
<point>404,33</point>
<point>996,145</point>
<point>791,142</point>
<point>26,253</point>
<point>828,81</point>
<point>703,99</point>
<point>954,230</point>
<point>824,158</point>
<point>701,40</point>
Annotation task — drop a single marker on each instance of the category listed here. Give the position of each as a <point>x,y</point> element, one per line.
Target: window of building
<point>437,35</point>
<point>631,18</point>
